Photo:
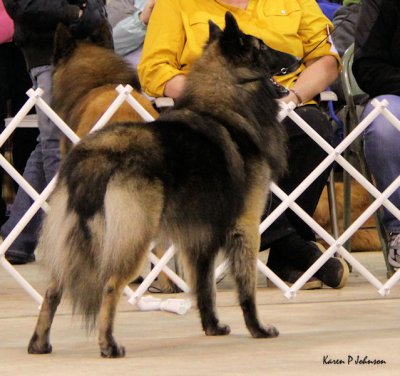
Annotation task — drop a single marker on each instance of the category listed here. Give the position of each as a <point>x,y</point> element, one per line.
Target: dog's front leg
<point>111,294</point>
<point>40,341</point>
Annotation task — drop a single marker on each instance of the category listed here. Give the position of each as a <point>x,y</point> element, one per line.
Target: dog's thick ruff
<point>197,177</point>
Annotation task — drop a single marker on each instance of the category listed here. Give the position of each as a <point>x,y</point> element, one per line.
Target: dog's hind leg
<point>40,341</point>
<point>242,249</point>
<point>111,294</point>
<point>132,214</point>
<point>201,270</point>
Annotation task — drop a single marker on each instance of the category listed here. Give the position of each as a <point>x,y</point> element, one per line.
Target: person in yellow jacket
<point>179,28</point>
<point>175,37</point>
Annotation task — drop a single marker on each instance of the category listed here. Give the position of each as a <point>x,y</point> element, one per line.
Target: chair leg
<point>348,126</point>
<point>347,206</point>
<point>333,204</point>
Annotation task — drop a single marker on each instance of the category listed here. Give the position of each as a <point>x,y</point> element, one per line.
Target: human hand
<point>175,86</point>
<point>145,15</point>
<point>91,14</point>
<point>291,97</point>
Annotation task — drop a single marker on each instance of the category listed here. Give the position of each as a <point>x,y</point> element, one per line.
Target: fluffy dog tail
<point>68,253</point>
<point>84,254</point>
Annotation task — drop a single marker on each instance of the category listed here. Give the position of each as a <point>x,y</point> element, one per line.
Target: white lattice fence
<point>288,201</point>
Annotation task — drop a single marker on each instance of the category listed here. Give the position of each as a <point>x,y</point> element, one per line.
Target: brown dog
<point>364,239</point>
<point>86,73</point>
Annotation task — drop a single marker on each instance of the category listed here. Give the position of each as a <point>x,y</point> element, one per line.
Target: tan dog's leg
<point>243,257</point>
<point>40,341</point>
<point>243,251</point>
<point>111,294</point>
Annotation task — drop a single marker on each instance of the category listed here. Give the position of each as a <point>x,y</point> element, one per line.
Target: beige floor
<point>316,325</point>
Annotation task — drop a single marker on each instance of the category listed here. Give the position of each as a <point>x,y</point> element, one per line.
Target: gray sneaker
<point>394,249</point>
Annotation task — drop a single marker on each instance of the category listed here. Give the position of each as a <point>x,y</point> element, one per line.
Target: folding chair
<point>354,98</point>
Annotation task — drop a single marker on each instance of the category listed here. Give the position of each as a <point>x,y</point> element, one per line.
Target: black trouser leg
<point>304,155</point>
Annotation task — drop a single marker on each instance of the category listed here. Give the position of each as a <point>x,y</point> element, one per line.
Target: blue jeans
<point>41,167</point>
<point>382,152</point>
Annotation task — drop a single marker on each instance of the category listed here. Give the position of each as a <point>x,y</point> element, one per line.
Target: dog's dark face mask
<point>246,51</point>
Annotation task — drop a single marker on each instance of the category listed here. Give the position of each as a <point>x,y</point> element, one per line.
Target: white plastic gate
<point>288,201</point>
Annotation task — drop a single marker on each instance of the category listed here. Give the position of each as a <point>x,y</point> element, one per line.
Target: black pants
<point>304,155</point>
<point>14,82</point>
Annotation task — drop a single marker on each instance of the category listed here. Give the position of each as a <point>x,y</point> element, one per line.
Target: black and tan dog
<point>196,177</point>
<point>86,73</point>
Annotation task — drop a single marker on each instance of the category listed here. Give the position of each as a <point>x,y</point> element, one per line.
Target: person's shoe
<point>394,249</point>
<point>16,257</point>
<point>335,272</point>
<point>290,276</point>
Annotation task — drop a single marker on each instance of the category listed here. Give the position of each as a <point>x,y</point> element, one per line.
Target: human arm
<point>376,64</point>
<point>144,16</point>
<point>91,15</point>
<point>162,47</point>
<point>321,61</point>
<point>47,13</point>
<point>129,33</point>
<point>310,82</point>
<point>175,86</point>
<point>82,18</point>
<point>315,78</point>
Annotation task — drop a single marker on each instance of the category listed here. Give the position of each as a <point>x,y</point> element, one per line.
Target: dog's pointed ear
<point>231,26</point>
<point>215,31</point>
<point>102,35</point>
<point>232,37</point>
<point>64,43</point>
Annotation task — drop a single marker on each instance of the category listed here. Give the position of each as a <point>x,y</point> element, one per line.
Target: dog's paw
<point>268,331</point>
<point>218,330</point>
<point>113,351</point>
<point>35,347</point>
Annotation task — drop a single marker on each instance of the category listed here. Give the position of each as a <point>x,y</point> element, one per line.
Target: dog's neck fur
<point>219,82</point>
<point>216,80</point>
<point>236,94</point>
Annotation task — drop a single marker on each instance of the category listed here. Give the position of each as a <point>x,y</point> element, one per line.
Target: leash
<point>285,70</point>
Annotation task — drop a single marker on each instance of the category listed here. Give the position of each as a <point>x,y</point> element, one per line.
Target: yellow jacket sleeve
<point>163,44</point>
<point>313,30</point>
